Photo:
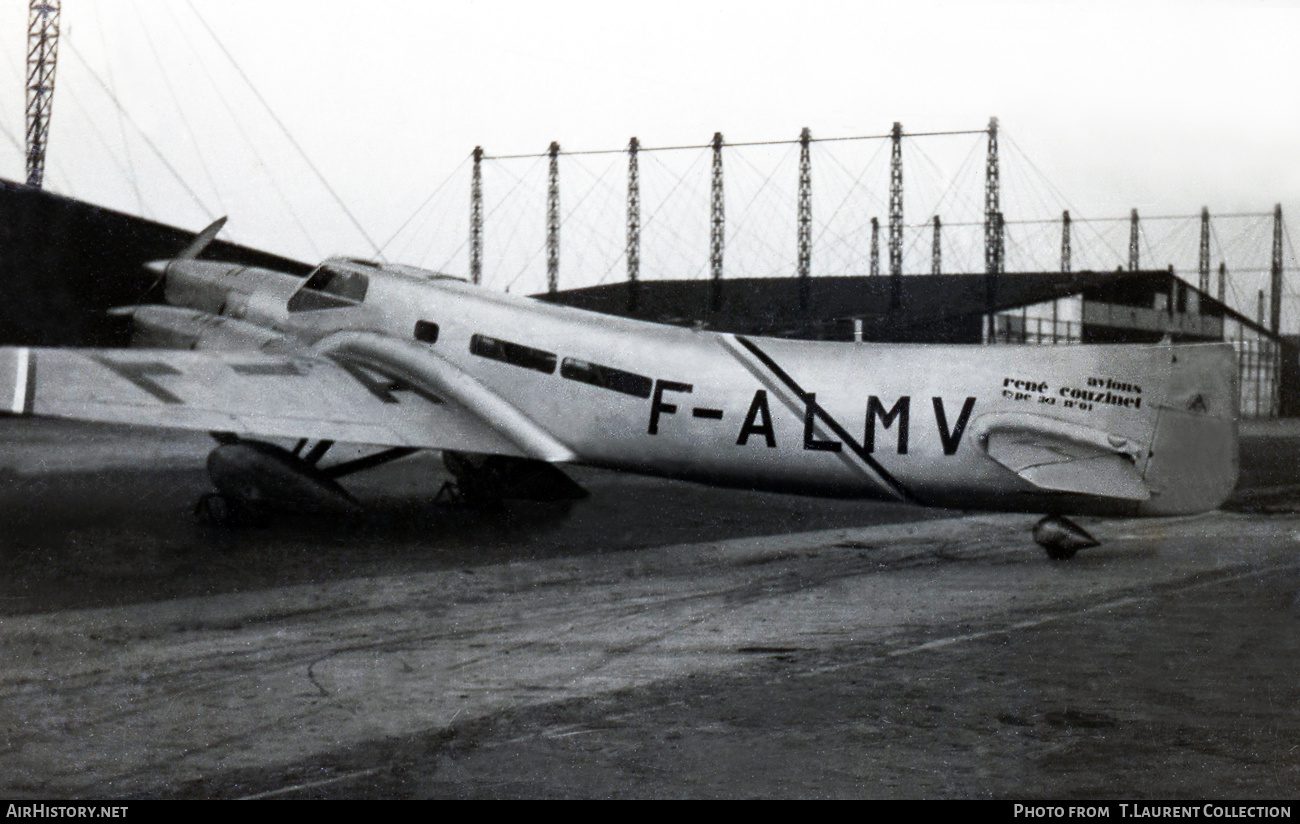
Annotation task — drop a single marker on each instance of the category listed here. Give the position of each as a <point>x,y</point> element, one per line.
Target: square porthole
<point>427,331</point>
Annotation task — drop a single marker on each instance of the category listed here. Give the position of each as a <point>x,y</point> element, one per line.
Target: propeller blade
<point>202,240</point>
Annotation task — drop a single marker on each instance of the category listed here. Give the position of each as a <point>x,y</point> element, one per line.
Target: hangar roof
<point>926,303</point>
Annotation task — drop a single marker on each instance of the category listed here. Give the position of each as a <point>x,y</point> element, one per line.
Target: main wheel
<point>229,512</point>
<point>215,509</point>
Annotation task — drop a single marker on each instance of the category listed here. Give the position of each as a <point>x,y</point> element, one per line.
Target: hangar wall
<point>1143,307</point>
<point>64,262</point>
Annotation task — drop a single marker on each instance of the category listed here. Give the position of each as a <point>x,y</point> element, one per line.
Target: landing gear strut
<point>487,480</point>
<point>1062,538</point>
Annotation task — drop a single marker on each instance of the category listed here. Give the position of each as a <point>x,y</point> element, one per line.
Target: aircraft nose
<point>158,267</point>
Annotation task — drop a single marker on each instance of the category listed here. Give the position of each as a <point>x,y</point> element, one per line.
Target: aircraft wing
<point>1064,457</point>
<point>308,395</point>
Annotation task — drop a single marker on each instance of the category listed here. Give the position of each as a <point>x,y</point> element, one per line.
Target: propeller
<point>201,241</point>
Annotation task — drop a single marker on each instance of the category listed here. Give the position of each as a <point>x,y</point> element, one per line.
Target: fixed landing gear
<point>254,477</point>
<point>484,481</point>
<point>1062,538</point>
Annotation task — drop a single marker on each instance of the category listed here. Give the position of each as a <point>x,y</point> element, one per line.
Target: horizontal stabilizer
<point>1063,457</point>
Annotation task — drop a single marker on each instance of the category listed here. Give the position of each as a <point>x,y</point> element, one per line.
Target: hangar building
<point>1029,308</point>
<point>64,262</point>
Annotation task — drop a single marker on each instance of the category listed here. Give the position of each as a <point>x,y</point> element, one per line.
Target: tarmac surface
<point>658,640</point>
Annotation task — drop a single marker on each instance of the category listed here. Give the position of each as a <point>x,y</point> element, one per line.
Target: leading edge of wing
<point>415,365</point>
<point>248,393</point>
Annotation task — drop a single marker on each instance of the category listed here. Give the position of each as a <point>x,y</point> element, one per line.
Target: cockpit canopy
<point>330,286</point>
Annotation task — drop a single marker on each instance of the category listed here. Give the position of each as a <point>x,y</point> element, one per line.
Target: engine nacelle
<point>171,327</point>
<point>226,289</point>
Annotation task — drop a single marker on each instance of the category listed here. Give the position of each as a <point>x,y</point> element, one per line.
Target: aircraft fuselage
<point>919,423</point>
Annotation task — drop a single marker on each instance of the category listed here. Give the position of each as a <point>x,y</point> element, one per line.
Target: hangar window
<point>515,354</point>
<point>606,377</point>
<point>426,330</point>
<point>330,288</point>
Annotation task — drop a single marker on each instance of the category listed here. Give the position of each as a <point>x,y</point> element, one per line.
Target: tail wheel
<point>1061,537</point>
<point>1060,553</point>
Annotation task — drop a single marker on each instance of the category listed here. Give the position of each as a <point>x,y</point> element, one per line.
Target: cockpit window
<point>330,288</point>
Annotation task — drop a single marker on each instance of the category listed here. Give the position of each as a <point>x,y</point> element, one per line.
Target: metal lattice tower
<point>992,228</point>
<point>875,246</point>
<point>991,280</point>
<point>1275,273</point>
<point>896,201</point>
<point>936,253</point>
<point>992,204</point>
<point>553,221</point>
<point>633,224</point>
<point>805,217</point>
<point>476,218</point>
<point>42,53</point>
<point>718,224</point>
<point>1134,232</point>
<point>1066,252</point>
<point>1203,262</point>
<point>1000,261</point>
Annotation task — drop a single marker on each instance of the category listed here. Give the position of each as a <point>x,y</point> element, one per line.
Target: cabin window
<point>426,330</point>
<point>330,288</point>
<point>515,354</point>
<point>607,377</point>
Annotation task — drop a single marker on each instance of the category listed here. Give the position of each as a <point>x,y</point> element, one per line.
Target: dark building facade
<point>64,262</point>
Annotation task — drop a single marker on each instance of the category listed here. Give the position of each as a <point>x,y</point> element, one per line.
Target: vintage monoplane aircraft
<point>508,388</point>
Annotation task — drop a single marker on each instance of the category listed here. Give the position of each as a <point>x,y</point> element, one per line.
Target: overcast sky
<point>1162,106</point>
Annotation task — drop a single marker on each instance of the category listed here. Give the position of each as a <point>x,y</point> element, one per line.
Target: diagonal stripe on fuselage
<point>892,484</point>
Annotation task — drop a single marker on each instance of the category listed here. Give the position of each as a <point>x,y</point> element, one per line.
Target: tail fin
<point>1193,465</point>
